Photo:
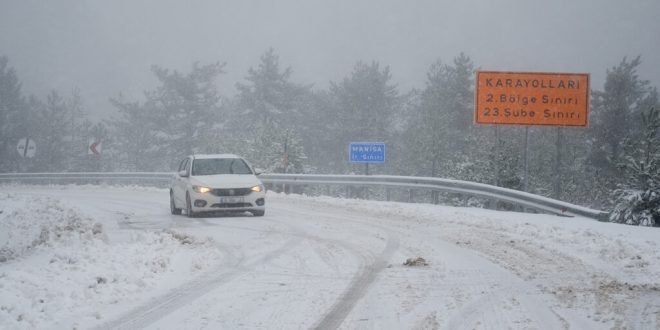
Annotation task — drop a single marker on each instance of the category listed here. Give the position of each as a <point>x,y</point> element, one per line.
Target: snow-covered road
<point>114,258</point>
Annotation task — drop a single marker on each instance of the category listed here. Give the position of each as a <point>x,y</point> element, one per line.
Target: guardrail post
<point>410,196</point>
<point>387,194</point>
<point>489,204</point>
<point>603,217</point>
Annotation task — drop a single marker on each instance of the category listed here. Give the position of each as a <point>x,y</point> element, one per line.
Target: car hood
<point>227,181</point>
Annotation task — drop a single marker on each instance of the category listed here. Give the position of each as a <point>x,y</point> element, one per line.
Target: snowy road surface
<point>90,257</point>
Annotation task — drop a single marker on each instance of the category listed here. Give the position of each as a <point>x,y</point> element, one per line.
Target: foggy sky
<point>107,47</point>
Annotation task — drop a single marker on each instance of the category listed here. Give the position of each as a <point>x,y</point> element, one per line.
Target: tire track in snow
<point>367,273</point>
<point>511,290</point>
<point>646,311</point>
<point>561,278</point>
<point>164,305</point>
<point>357,289</point>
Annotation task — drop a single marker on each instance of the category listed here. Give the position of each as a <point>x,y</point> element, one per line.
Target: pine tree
<point>441,137</point>
<point>269,97</point>
<point>268,117</point>
<point>52,128</point>
<point>638,198</point>
<point>360,108</point>
<point>176,119</point>
<point>186,108</point>
<point>75,142</point>
<point>612,118</point>
<point>320,131</point>
<point>14,116</point>
<point>136,144</point>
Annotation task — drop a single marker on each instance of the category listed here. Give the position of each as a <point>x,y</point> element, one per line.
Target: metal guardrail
<point>158,176</point>
<point>158,179</point>
<point>526,200</point>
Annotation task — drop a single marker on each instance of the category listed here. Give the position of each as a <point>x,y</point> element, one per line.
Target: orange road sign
<point>532,98</point>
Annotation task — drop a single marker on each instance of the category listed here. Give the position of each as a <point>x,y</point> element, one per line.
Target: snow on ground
<point>59,269</point>
<point>107,257</point>
<point>592,274</point>
<point>621,249</point>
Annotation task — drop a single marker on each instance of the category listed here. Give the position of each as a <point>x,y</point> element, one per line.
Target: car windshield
<point>220,166</point>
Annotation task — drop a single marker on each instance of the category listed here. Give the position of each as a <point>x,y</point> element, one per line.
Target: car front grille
<point>231,205</point>
<point>231,192</point>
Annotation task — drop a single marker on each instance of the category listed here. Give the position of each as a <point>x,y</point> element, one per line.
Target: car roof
<point>214,156</point>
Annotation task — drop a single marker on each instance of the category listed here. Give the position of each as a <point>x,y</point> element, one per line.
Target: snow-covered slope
<point>113,257</point>
<point>60,269</point>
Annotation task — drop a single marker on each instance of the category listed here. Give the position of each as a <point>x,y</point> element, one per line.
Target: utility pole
<point>497,155</point>
<point>526,160</point>
<point>557,184</point>
<point>285,160</point>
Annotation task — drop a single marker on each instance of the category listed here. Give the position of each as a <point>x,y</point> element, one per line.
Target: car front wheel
<point>173,208</point>
<point>258,213</point>
<point>189,210</point>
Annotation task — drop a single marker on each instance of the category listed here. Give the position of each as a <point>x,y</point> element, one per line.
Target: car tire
<point>173,208</point>
<point>189,211</point>
<point>258,213</point>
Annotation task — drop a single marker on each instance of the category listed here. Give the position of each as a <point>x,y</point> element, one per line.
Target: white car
<point>212,183</point>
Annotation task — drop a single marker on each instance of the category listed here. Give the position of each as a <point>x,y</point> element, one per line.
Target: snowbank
<point>57,264</point>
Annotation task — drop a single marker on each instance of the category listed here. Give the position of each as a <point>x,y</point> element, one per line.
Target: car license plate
<point>231,200</point>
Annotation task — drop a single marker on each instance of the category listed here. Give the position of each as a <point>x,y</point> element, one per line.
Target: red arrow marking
<point>93,148</point>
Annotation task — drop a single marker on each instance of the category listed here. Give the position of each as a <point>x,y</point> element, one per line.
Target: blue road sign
<point>366,152</point>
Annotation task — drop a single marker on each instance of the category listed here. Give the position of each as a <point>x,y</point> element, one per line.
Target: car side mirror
<point>258,171</point>
<point>183,174</point>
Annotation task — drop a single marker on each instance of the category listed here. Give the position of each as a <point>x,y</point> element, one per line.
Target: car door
<point>181,182</point>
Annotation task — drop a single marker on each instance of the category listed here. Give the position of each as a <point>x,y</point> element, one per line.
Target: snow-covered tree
<point>186,107</point>
<point>58,128</point>
<point>612,117</point>
<point>365,102</point>
<point>176,119</point>
<point>441,139</point>
<point>638,198</point>
<point>77,124</point>
<point>136,144</point>
<point>359,108</point>
<point>267,118</point>
<point>269,97</point>
<point>14,116</point>
<point>53,127</point>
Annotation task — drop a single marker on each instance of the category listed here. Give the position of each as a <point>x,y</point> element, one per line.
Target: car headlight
<point>258,188</point>
<point>201,189</point>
